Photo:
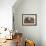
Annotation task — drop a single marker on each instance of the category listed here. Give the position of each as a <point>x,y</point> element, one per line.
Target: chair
<point>18,39</point>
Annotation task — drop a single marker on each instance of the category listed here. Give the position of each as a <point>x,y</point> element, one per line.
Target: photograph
<point>29,19</point>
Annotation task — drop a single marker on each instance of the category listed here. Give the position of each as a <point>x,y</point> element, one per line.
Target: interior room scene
<point>22,22</point>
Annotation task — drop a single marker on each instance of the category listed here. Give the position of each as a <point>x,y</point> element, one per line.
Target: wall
<point>6,16</point>
<point>43,22</point>
<point>28,7</point>
<point>6,13</point>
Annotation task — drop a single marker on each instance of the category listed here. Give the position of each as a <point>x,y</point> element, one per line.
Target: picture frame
<point>29,19</point>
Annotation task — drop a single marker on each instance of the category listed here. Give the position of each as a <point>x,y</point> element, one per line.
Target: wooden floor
<point>9,43</point>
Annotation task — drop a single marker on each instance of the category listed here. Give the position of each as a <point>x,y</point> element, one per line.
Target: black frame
<point>30,15</point>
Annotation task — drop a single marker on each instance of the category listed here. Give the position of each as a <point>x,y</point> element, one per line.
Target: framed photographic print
<point>29,19</point>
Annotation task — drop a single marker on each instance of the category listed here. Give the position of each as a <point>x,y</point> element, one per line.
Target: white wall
<point>43,22</point>
<point>28,7</point>
<point>6,13</point>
